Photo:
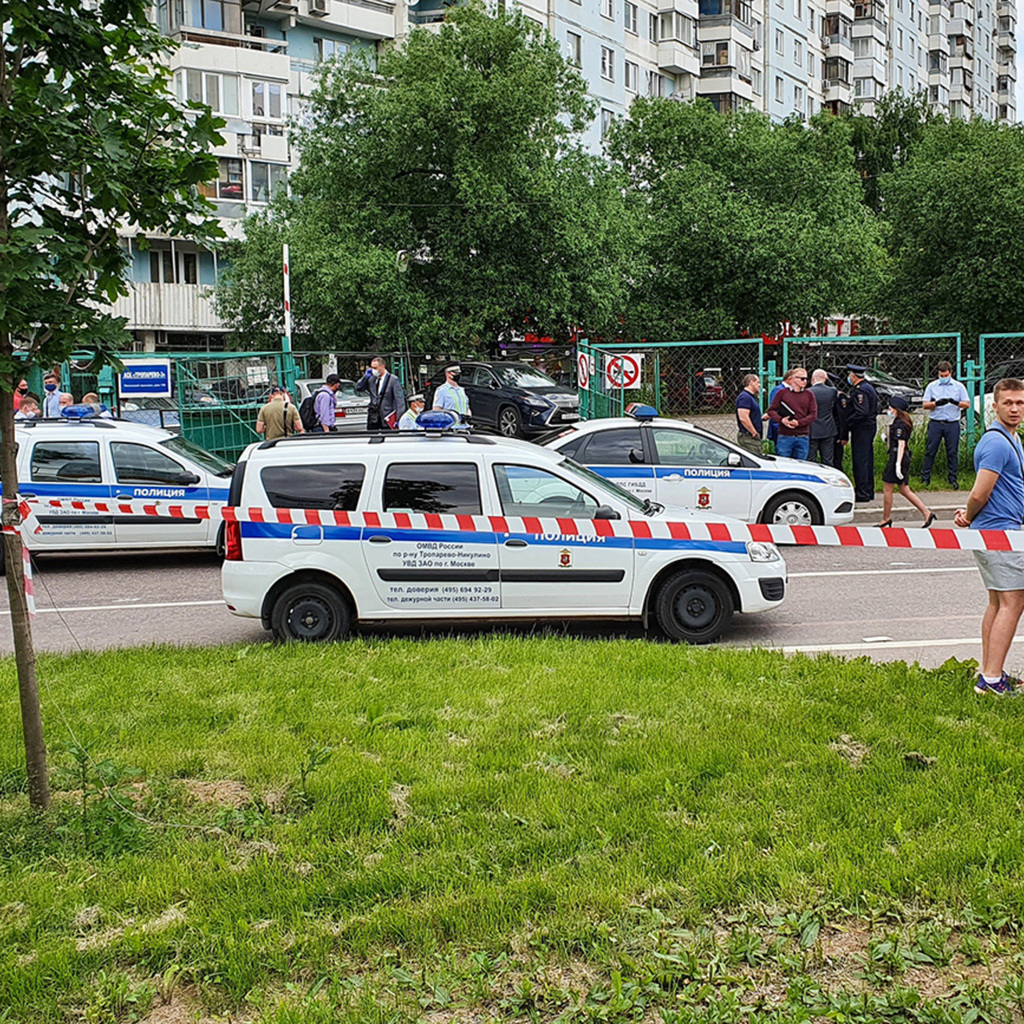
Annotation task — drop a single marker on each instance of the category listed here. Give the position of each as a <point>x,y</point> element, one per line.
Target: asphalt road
<point>887,604</point>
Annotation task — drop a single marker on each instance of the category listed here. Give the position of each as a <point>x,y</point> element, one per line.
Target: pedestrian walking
<point>862,425</point>
<point>387,399</point>
<point>897,469</point>
<point>794,409</point>
<point>278,418</point>
<point>996,502</point>
<point>823,432</point>
<point>944,398</point>
<point>451,396</point>
<point>749,425</point>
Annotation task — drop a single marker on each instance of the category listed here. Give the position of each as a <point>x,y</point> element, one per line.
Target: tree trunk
<point>21,624</point>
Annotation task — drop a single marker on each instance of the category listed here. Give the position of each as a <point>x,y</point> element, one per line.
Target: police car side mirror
<point>606,512</point>
<point>734,459</point>
<point>186,478</point>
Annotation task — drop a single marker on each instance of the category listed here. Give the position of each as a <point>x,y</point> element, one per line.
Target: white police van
<point>455,525</point>
<point>677,463</point>
<point>105,459</point>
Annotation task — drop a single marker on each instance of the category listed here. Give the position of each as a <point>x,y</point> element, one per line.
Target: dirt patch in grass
<point>225,792</point>
<point>401,812</point>
<point>181,1007</point>
<point>852,752</point>
<point>99,940</point>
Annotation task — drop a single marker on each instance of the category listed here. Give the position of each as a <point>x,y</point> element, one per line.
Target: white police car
<point>677,463</point>
<point>101,459</point>
<point>448,525</point>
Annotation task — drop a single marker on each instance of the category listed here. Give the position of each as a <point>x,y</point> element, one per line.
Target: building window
<point>265,180</point>
<point>629,16</point>
<point>203,14</point>
<point>652,24</point>
<point>780,41</point>
<point>862,47</point>
<point>798,53</point>
<point>608,8</point>
<point>607,64</point>
<point>266,99</point>
<point>327,48</point>
<point>574,44</point>
<point>779,90</point>
<point>810,18</point>
<point>798,100</point>
<point>218,92</point>
<point>899,39</point>
<point>799,9</point>
<point>228,184</point>
<point>632,76</point>
<point>756,80</point>
<point>714,54</point>
<point>655,84</point>
<point>606,121</point>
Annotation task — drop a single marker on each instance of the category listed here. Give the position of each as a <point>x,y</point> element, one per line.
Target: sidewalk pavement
<point>942,503</point>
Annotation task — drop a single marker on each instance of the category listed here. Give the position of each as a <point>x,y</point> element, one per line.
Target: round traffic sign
<point>623,371</point>
<point>583,370</point>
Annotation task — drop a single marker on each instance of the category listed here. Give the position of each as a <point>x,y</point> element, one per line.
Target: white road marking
<point>119,607</point>
<point>894,645</point>
<point>882,572</point>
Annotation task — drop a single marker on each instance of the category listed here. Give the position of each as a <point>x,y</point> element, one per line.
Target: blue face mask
<point>50,387</point>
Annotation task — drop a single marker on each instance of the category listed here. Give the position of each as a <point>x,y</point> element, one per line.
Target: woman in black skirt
<point>897,469</point>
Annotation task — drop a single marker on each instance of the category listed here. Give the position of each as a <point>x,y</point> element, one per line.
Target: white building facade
<point>252,61</point>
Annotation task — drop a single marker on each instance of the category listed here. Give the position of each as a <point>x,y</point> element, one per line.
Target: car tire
<point>310,613</point>
<point>791,508</point>
<point>693,606</point>
<point>220,547</point>
<point>510,423</point>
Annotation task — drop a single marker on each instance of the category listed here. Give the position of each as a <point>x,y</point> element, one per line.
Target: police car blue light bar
<point>436,419</point>
<point>82,412</point>
<point>639,411</point>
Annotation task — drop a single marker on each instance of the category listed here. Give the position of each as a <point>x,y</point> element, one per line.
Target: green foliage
<point>91,140</point>
<point>956,217</point>
<point>454,158</point>
<point>743,223</point>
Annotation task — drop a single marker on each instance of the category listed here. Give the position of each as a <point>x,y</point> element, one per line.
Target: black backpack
<point>307,413</point>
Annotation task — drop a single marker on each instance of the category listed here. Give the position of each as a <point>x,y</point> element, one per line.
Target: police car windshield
<point>211,463</point>
<point>593,480</point>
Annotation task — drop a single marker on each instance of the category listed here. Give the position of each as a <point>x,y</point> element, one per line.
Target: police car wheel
<point>791,509</point>
<point>693,606</point>
<point>509,422</point>
<point>311,613</point>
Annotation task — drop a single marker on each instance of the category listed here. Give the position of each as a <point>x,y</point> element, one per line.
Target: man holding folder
<point>794,409</point>
<point>387,399</point>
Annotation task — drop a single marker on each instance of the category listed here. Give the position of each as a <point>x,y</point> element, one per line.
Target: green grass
<point>514,828</point>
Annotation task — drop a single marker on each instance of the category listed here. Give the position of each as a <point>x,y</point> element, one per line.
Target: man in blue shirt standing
<point>944,399</point>
<point>748,416</point>
<point>996,502</point>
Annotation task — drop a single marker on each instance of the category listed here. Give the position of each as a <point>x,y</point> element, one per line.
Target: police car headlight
<point>759,551</point>
<point>837,480</point>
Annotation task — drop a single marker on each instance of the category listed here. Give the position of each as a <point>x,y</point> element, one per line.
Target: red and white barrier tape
<point>26,559</point>
<point>639,529</point>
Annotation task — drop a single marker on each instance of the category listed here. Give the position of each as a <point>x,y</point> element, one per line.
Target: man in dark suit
<point>823,429</point>
<point>387,399</point>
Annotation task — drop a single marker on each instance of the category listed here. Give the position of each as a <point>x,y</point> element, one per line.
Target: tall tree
<point>744,223</point>
<point>91,140</point>
<point>456,158</point>
<point>956,215</point>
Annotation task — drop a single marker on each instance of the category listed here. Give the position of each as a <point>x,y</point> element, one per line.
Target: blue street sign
<point>145,378</point>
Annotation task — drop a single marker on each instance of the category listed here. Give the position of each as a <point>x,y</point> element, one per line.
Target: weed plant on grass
<point>513,828</point>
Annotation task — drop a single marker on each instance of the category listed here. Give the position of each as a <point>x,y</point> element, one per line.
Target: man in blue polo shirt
<point>944,399</point>
<point>748,415</point>
<point>996,502</point>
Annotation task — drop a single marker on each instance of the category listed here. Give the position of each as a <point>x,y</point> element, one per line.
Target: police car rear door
<point>619,455</point>
<point>556,569</point>
<point>433,552</point>
<point>58,466</point>
<point>697,471</point>
<point>144,472</point>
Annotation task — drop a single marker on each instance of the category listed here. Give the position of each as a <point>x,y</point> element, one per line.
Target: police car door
<point>557,571</point>
<point>67,469</point>
<point>440,557</point>
<point>619,456</point>
<point>699,472</point>
<point>144,473</point>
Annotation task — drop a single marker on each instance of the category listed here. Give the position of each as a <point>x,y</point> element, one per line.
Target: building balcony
<point>677,58</point>
<point>169,307</point>
<point>1007,69</point>
<point>368,19</point>
<point>1006,40</point>
<point>939,44</point>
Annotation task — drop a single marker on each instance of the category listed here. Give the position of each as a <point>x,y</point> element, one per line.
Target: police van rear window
<point>333,486</point>
<point>433,487</point>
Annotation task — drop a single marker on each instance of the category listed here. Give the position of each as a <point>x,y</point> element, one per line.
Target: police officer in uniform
<point>862,423</point>
<point>453,398</point>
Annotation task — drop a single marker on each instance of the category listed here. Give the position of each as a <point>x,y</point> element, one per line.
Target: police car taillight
<point>232,542</point>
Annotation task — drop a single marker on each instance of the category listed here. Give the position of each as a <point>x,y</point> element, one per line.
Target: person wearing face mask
<point>51,397</point>
<point>387,399</point>
<point>944,399</point>
<point>451,396</point>
<point>19,393</point>
<point>862,424</point>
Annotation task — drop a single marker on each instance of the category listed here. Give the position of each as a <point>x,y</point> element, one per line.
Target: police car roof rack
<point>376,437</point>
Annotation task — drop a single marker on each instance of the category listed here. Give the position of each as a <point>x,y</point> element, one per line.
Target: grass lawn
<point>511,828</point>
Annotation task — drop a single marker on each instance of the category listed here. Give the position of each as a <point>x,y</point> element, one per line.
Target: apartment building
<point>253,61</point>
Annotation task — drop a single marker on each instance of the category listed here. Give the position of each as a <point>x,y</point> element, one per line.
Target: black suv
<point>515,399</point>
